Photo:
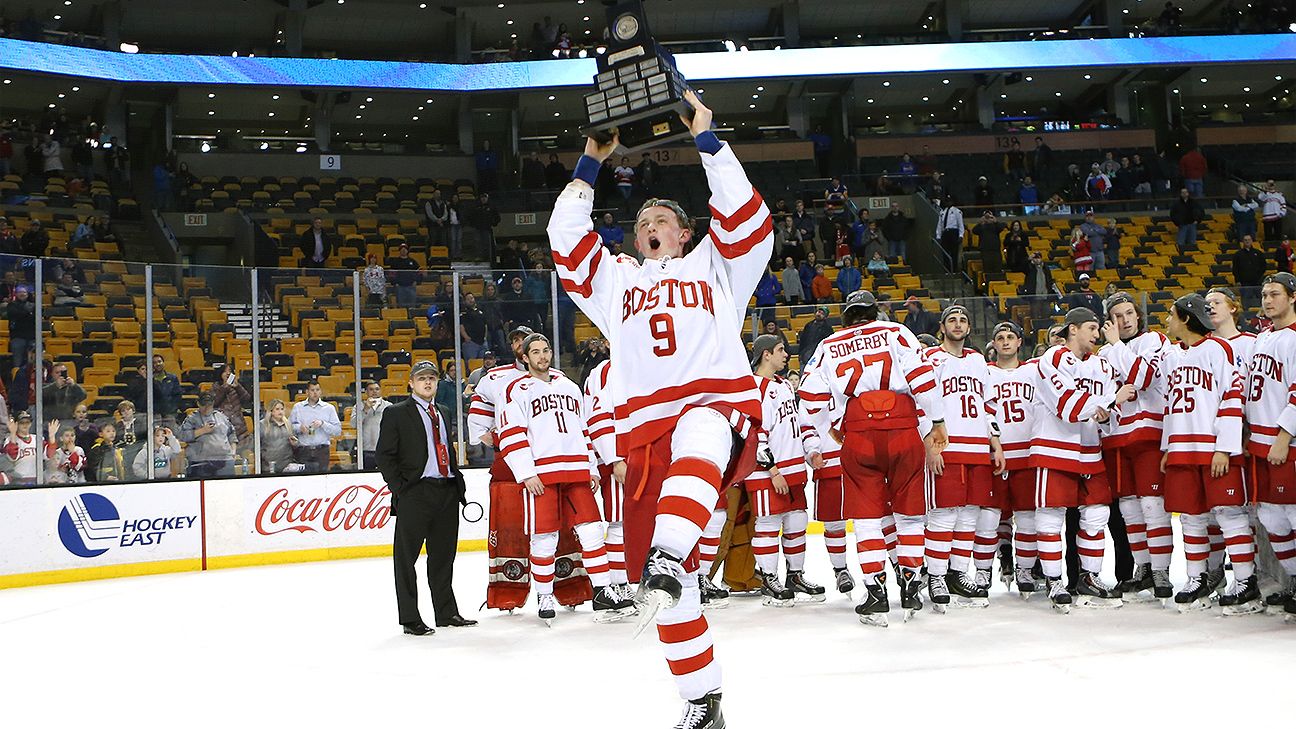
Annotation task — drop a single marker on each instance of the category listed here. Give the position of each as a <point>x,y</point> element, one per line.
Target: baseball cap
<point>1008,326</point>
<point>824,309</point>
<point>1284,279</point>
<point>424,366</point>
<point>488,354</point>
<point>520,331</point>
<point>928,340</point>
<point>1195,305</point>
<point>1084,277</point>
<point>953,309</point>
<point>911,300</point>
<point>1079,315</point>
<point>1120,297</point>
<point>24,415</point>
<point>859,298</point>
<point>762,344</point>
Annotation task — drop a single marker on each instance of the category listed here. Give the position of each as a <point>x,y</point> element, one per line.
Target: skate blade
<point>548,622</point>
<point>1098,603</point>
<point>714,604</point>
<point>938,608</point>
<point>653,602</point>
<point>910,613</point>
<point>1250,608</point>
<point>1064,609</point>
<point>1290,618</point>
<point>1196,606</point>
<point>775,602</point>
<point>1140,597</point>
<point>876,620</point>
<point>1276,610</point>
<point>603,617</point>
<point>971,602</point>
<point>806,597</point>
<point>570,608</point>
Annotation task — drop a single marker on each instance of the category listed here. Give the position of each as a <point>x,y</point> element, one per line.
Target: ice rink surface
<point>317,645</point>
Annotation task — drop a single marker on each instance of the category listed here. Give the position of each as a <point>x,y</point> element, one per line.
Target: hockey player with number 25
<point>686,405</point>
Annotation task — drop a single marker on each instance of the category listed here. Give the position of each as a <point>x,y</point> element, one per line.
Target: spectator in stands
<point>210,438</point>
<point>787,240</point>
<point>532,175</point>
<point>132,429</point>
<point>860,235</point>
<point>1086,297</point>
<point>1249,269</point>
<point>406,275</point>
<point>118,163</point>
<point>166,391</point>
<point>1170,20</point>
<point>536,291</point>
<point>62,395</point>
<point>231,399</point>
<point>68,292</point>
<point>648,173</point>
<point>103,233</point>
<point>1097,185</point>
<point>9,244</point>
<point>166,453</point>
<point>449,394</point>
<point>926,161</point>
<point>488,362</point>
<point>1186,213</point>
<point>807,273</point>
<point>375,281</point>
<point>804,221</point>
<point>820,287</point>
<point>1273,212</point>
<point>104,461</point>
<point>278,441</point>
<point>907,169</point>
<point>438,216</point>
<point>1038,286</point>
<point>487,163</point>
<point>316,245</point>
<point>1016,247</point>
<point>36,240</point>
<point>1141,177</point>
<point>84,235</point>
<point>1081,250</point>
<point>877,265</point>
<point>484,218</point>
<point>489,304</point>
<point>315,422</point>
<point>6,153</point>
<point>611,233</point>
<point>988,233</point>
<point>162,187</point>
<point>823,146</point>
<point>370,408</point>
<point>21,313</point>
<point>1192,168</point>
<point>780,212</point>
<point>516,307</point>
<point>849,278</point>
<point>767,289</point>
<point>455,210</point>
<point>815,331</point>
<point>895,231</point>
<point>1123,183</point>
<point>770,326</point>
<point>1109,165</point>
<point>66,463</point>
<point>936,188</point>
<point>473,331</point>
<point>983,194</point>
<point>1284,257</point>
<point>86,432</point>
<point>1096,234</point>
<point>919,320</point>
<point>1028,196</point>
<point>556,173</point>
<point>950,227</point>
<point>1111,244</point>
<point>70,267</point>
<point>836,196</point>
<point>625,179</point>
<point>52,156</point>
<point>1244,213</point>
<point>1014,162</point>
<point>184,182</point>
<point>20,450</point>
<point>1074,189</point>
<point>793,293</point>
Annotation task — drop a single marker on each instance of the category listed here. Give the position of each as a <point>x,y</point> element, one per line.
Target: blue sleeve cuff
<point>708,142</point>
<point>587,169</point>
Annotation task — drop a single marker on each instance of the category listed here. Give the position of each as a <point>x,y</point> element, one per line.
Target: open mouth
<point>653,243</point>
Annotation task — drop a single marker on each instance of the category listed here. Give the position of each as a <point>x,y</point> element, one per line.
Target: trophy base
<point>645,129</point>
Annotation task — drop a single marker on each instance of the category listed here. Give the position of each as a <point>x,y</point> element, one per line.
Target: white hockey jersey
<point>1243,345</point>
<point>1271,398</point>
<point>970,417</point>
<point>1203,393</point>
<point>781,431</point>
<point>674,325</point>
<point>22,451</point>
<point>489,398</point>
<point>598,411</point>
<point>64,466</point>
<point>1013,391</point>
<point>1135,362</point>
<point>816,436</point>
<point>1068,395</point>
<point>543,432</point>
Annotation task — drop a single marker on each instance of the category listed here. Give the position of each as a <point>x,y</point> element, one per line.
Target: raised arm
<point>585,268</point>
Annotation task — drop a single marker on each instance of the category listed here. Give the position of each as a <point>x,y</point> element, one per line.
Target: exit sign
<point>195,219</point>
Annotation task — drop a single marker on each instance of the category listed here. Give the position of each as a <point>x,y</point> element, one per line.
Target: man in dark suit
<point>316,245</point>
<point>427,488</point>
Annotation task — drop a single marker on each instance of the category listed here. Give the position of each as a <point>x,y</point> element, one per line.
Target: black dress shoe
<point>419,628</point>
<point>456,621</point>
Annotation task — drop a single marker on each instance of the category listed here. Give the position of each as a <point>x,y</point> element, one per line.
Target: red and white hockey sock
<point>686,640</point>
<point>1135,528</point>
<point>871,548</point>
<point>1235,524</point>
<point>889,535</point>
<point>909,541</point>
<point>593,553</point>
<point>987,538</point>
<point>688,496</point>
<point>1196,542</point>
<point>835,543</point>
<point>1048,535</point>
<point>543,548</point>
<point>1005,530</point>
<point>1092,535</point>
<point>615,542</point>
<point>794,539</point>
<point>765,543</point>
<point>709,544</point>
<point>1025,551</point>
<point>1282,537</point>
<point>965,523</point>
<point>1160,535</point>
<point>939,536</point>
<point>1215,536</point>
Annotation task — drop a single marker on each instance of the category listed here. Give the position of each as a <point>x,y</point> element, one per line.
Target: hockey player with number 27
<point>686,406</point>
<point>612,470</point>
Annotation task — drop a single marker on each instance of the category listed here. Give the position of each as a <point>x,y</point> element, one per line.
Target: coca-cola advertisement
<point>356,506</point>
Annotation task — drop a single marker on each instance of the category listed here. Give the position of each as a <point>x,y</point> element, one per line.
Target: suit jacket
<point>402,450</point>
<point>306,244</point>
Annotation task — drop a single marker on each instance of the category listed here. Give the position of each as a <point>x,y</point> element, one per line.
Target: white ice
<point>317,645</point>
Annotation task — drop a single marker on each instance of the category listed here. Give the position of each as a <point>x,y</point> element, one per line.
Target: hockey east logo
<point>89,525</point>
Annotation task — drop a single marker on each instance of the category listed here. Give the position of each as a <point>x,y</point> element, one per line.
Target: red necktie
<point>442,456</point>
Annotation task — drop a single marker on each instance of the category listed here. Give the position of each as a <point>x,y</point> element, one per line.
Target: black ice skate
<point>964,591</point>
<point>938,592</point>
<point>1289,608</point>
<point>1162,588</point>
<point>1006,571</point>
<point>1217,580</point>
<point>1274,602</point>
<point>845,583</point>
<point>873,609</point>
<point>911,584</point>
<point>1243,598</point>
<point>703,713</point>
<point>1139,587</point>
<point>659,588</point>
<point>1092,593</point>
<point>1195,595</point>
<point>773,593</point>
<point>713,597</point>
<point>796,582</point>
<point>1058,595</point>
<point>611,606</point>
<point>1026,584</point>
<point>546,611</point>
